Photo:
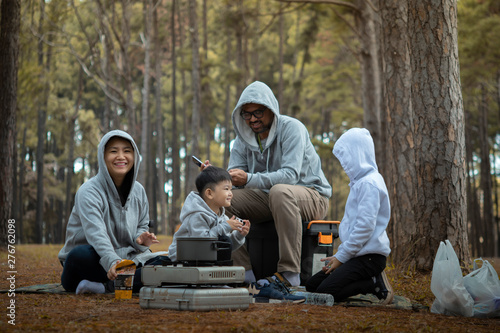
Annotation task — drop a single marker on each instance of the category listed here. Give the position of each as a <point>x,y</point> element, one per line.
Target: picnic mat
<point>399,302</point>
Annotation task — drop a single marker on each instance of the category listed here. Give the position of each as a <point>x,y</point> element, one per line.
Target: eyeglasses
<point>257,114</point>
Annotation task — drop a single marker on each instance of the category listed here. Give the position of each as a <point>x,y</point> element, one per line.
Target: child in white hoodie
<point>358,265</point>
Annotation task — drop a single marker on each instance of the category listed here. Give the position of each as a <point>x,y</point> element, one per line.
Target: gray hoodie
<point>288,156</point>
<point>99,219</point>
<point>199,220</point>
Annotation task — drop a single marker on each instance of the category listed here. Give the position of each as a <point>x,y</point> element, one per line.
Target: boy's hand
<point>243,226</point>
<point>146,239</point>
<point>245,229</point>
<point>235,223</point>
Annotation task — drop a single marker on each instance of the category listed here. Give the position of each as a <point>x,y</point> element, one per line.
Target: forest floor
<point>38,264</point>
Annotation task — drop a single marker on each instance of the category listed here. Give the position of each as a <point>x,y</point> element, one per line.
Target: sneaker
<point>273,291</point>
<point>383,289</point>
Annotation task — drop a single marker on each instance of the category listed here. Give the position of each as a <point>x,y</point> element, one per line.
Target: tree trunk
<point>425,130</point>
<point>71,150</point>
<point>487,238</point>
<point>10,15</point>
<point>176,177</point>
<point>196,86</point>
<point>186,119</point>
<point>160,151</point>
<point>281,98</point>
<point>145,144</point>
<point>227,107</point>
<point>400,139</point>
<point>368,25</point>
<point>42,117</point>
<point>127,71</point>
<point>22,170</point>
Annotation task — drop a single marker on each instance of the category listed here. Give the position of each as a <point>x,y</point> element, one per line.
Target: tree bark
<point>160,151</point>
<point>42,117</point>
<point>176,181</point>
<point>196,86</point>
<point>425,130</point>
<point>368,25</point>
<point>487,238</point>
<point>10,12</point>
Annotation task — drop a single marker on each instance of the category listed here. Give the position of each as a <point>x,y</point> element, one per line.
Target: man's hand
<point>205,164</point>
<point>146,239</point>
<point>238,177</point>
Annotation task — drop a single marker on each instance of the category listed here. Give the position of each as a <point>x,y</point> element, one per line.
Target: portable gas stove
<point>182,286</point>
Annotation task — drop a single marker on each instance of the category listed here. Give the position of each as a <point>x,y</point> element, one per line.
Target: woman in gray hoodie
<point>109,221</point>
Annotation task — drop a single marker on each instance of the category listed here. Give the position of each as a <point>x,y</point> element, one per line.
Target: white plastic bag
<point>447,284</point>
<point>484,287</point>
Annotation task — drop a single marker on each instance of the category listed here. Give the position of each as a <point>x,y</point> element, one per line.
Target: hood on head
<point>258,93</point>
<point>356,152</point>
<point>103,169</point>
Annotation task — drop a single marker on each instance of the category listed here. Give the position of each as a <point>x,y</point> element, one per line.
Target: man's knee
<point>281,192</point>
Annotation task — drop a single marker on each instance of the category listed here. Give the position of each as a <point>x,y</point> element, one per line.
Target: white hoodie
<point>367,210</point>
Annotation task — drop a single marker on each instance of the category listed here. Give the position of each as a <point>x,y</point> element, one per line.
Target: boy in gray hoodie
<point>278,174</point>
<point>109,221</point>
<point>203,212</point>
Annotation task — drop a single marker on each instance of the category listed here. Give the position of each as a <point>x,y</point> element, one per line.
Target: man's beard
<point>263,129</point>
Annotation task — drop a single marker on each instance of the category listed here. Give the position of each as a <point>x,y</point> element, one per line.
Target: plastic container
<point>194,299</point>
<point>125,279</point>
<point>316,298</point>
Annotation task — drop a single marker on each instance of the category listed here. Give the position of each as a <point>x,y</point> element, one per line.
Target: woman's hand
<point>112,271</point>
<point>333,263</point>
<point>147,239</point>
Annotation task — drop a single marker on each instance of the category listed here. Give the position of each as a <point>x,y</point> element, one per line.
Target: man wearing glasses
<point>278,176</point>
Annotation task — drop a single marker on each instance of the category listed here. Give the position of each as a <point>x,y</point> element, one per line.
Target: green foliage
<point>321,77</point>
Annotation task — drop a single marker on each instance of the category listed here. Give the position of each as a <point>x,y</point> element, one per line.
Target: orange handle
<point>325,239</point>
<point>321,221</point>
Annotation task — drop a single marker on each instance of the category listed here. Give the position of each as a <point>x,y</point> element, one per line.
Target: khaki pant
<point>288,206</point>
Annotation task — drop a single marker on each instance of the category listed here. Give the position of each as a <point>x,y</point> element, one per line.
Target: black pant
<point>351,278</point>
<point>82,263</point>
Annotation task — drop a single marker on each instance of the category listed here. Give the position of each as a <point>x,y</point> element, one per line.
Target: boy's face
<point>119,158</point>
<point>219,196</point>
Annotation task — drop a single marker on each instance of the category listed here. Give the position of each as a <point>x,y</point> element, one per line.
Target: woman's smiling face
<point>119,157</point>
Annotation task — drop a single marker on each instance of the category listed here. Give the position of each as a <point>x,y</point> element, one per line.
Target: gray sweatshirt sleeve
<point>91,208</point>
<point>143,219</point>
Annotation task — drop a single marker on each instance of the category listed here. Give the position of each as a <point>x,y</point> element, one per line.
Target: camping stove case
<point>194,299</point>
<point>192,288</point>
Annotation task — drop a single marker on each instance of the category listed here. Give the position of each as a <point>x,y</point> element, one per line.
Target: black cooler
<point>317,242</point>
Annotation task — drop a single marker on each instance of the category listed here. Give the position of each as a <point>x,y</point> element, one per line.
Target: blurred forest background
<point>169,72</point>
